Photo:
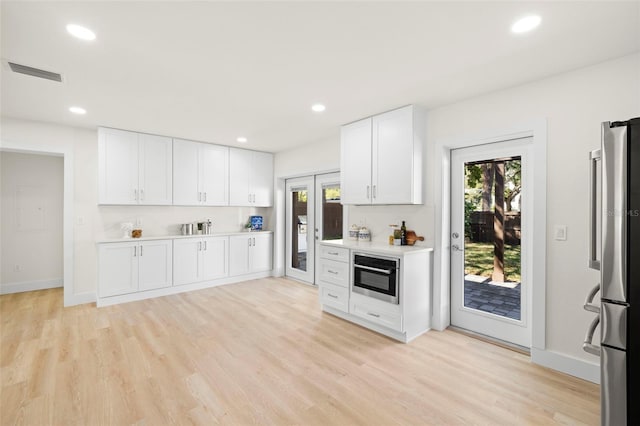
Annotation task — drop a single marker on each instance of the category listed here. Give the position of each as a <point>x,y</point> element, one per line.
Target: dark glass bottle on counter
<point>403,234</point>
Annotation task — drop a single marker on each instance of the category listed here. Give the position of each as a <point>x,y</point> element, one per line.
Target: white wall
<point>31,240</point>
<point>91,222</point>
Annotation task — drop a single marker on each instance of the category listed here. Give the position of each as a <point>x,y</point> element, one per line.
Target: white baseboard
<point>567,364</point>
<point>167,291</point>
<point>30,286</point>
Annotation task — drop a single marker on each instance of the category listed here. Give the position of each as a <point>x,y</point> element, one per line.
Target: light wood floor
<point>259,352</point>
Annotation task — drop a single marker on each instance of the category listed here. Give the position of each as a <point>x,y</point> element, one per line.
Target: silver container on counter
<point>205,228</point>
<point>186,228</point>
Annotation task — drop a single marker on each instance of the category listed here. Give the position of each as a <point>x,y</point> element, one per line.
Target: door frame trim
<point>68,244</point>
<point>537,129</point>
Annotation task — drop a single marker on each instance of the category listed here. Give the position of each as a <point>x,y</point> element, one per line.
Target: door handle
<point>368,192</point>
<point>594,157</point>
<point>135,194</point>
<point>135,251</point>
<point>375,192</point>
<point>587,345</point>
<point>205,198</point>
<point>205,246</point>
<point>456,247</point>
<point>588,303</point>
<point>141,194</point>
<point>140,251</point>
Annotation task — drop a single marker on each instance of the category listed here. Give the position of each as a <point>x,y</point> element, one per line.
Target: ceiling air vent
<point>35,72</point>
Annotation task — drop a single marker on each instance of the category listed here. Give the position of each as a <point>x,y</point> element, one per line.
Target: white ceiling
<point>213,71</point>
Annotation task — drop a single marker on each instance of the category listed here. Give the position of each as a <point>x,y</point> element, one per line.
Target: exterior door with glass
<point>314,213</point>
<point>300,225</point>
<point>491,240</point>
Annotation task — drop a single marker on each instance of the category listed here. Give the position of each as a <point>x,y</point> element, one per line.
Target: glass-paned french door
<point>314,213</point>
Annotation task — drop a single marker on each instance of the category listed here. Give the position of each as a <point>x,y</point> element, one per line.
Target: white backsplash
<point>378,218</point>
<point>166,220</point>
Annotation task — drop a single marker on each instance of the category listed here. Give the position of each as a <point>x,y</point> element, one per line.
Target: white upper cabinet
<point>134,168</point>
<point>355,169</point>
<point>200,174</point>
<point>381,158</point>
<point>250,178</point>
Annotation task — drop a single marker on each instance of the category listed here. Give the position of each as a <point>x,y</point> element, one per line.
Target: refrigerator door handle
<point>594,157</point>
<point>588,303</point>
<point>588,346</point>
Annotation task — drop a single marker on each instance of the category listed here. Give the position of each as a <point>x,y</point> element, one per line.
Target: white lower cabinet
<point>134,270</point>
<point>389,316</point>
<point>333,284</point>
<point>403,321</point>
<point>250,253</point>
<point>334,296</point>
<point>199,259</point>
<point>134,266</point>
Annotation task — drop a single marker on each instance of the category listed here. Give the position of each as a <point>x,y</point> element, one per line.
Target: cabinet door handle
<point>141,194</point>
<point>254,242</point>
<point>140,251</point>
<point>135,251</point>
<point>199,245</point>
<point>332,272</point>
<point>205,197</point>
<point>375,192</point>
<point>249,242</point>
<point>205,246</point>
<point>368,192</point>
<point>373,315</point>
<point>135,194</point>
<point>332,295</point>
<point>333,253</point>
<point>254,198</point>
<point>249,197</point>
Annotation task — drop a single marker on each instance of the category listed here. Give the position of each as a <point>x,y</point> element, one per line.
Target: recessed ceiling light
<point>81,32</point>
<point>318,107</point>
<point>241,139</point>
<point>78,110</point>
<point>526,24</point>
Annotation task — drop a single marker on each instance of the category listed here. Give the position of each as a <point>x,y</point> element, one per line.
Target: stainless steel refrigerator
<point>615,252</point>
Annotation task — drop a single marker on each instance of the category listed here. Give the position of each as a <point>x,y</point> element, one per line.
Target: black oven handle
<point>369,268</point>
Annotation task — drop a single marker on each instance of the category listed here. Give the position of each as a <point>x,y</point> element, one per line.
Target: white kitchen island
<point>403,321</point>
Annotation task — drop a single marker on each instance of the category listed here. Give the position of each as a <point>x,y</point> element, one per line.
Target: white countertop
<point>377,247</point>
<point>177,237</point>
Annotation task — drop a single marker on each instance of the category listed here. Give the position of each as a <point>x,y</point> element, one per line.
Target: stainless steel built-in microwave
<point>376,276</point>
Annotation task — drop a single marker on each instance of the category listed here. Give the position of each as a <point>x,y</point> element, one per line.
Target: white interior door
<point>300,225</point>
<point>491,240</point>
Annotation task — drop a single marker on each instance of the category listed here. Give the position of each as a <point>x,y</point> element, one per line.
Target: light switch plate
<point>560,232</point>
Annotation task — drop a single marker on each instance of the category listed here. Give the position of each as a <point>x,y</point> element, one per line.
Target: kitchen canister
<point>354,232</point>
<point>364,234</point>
